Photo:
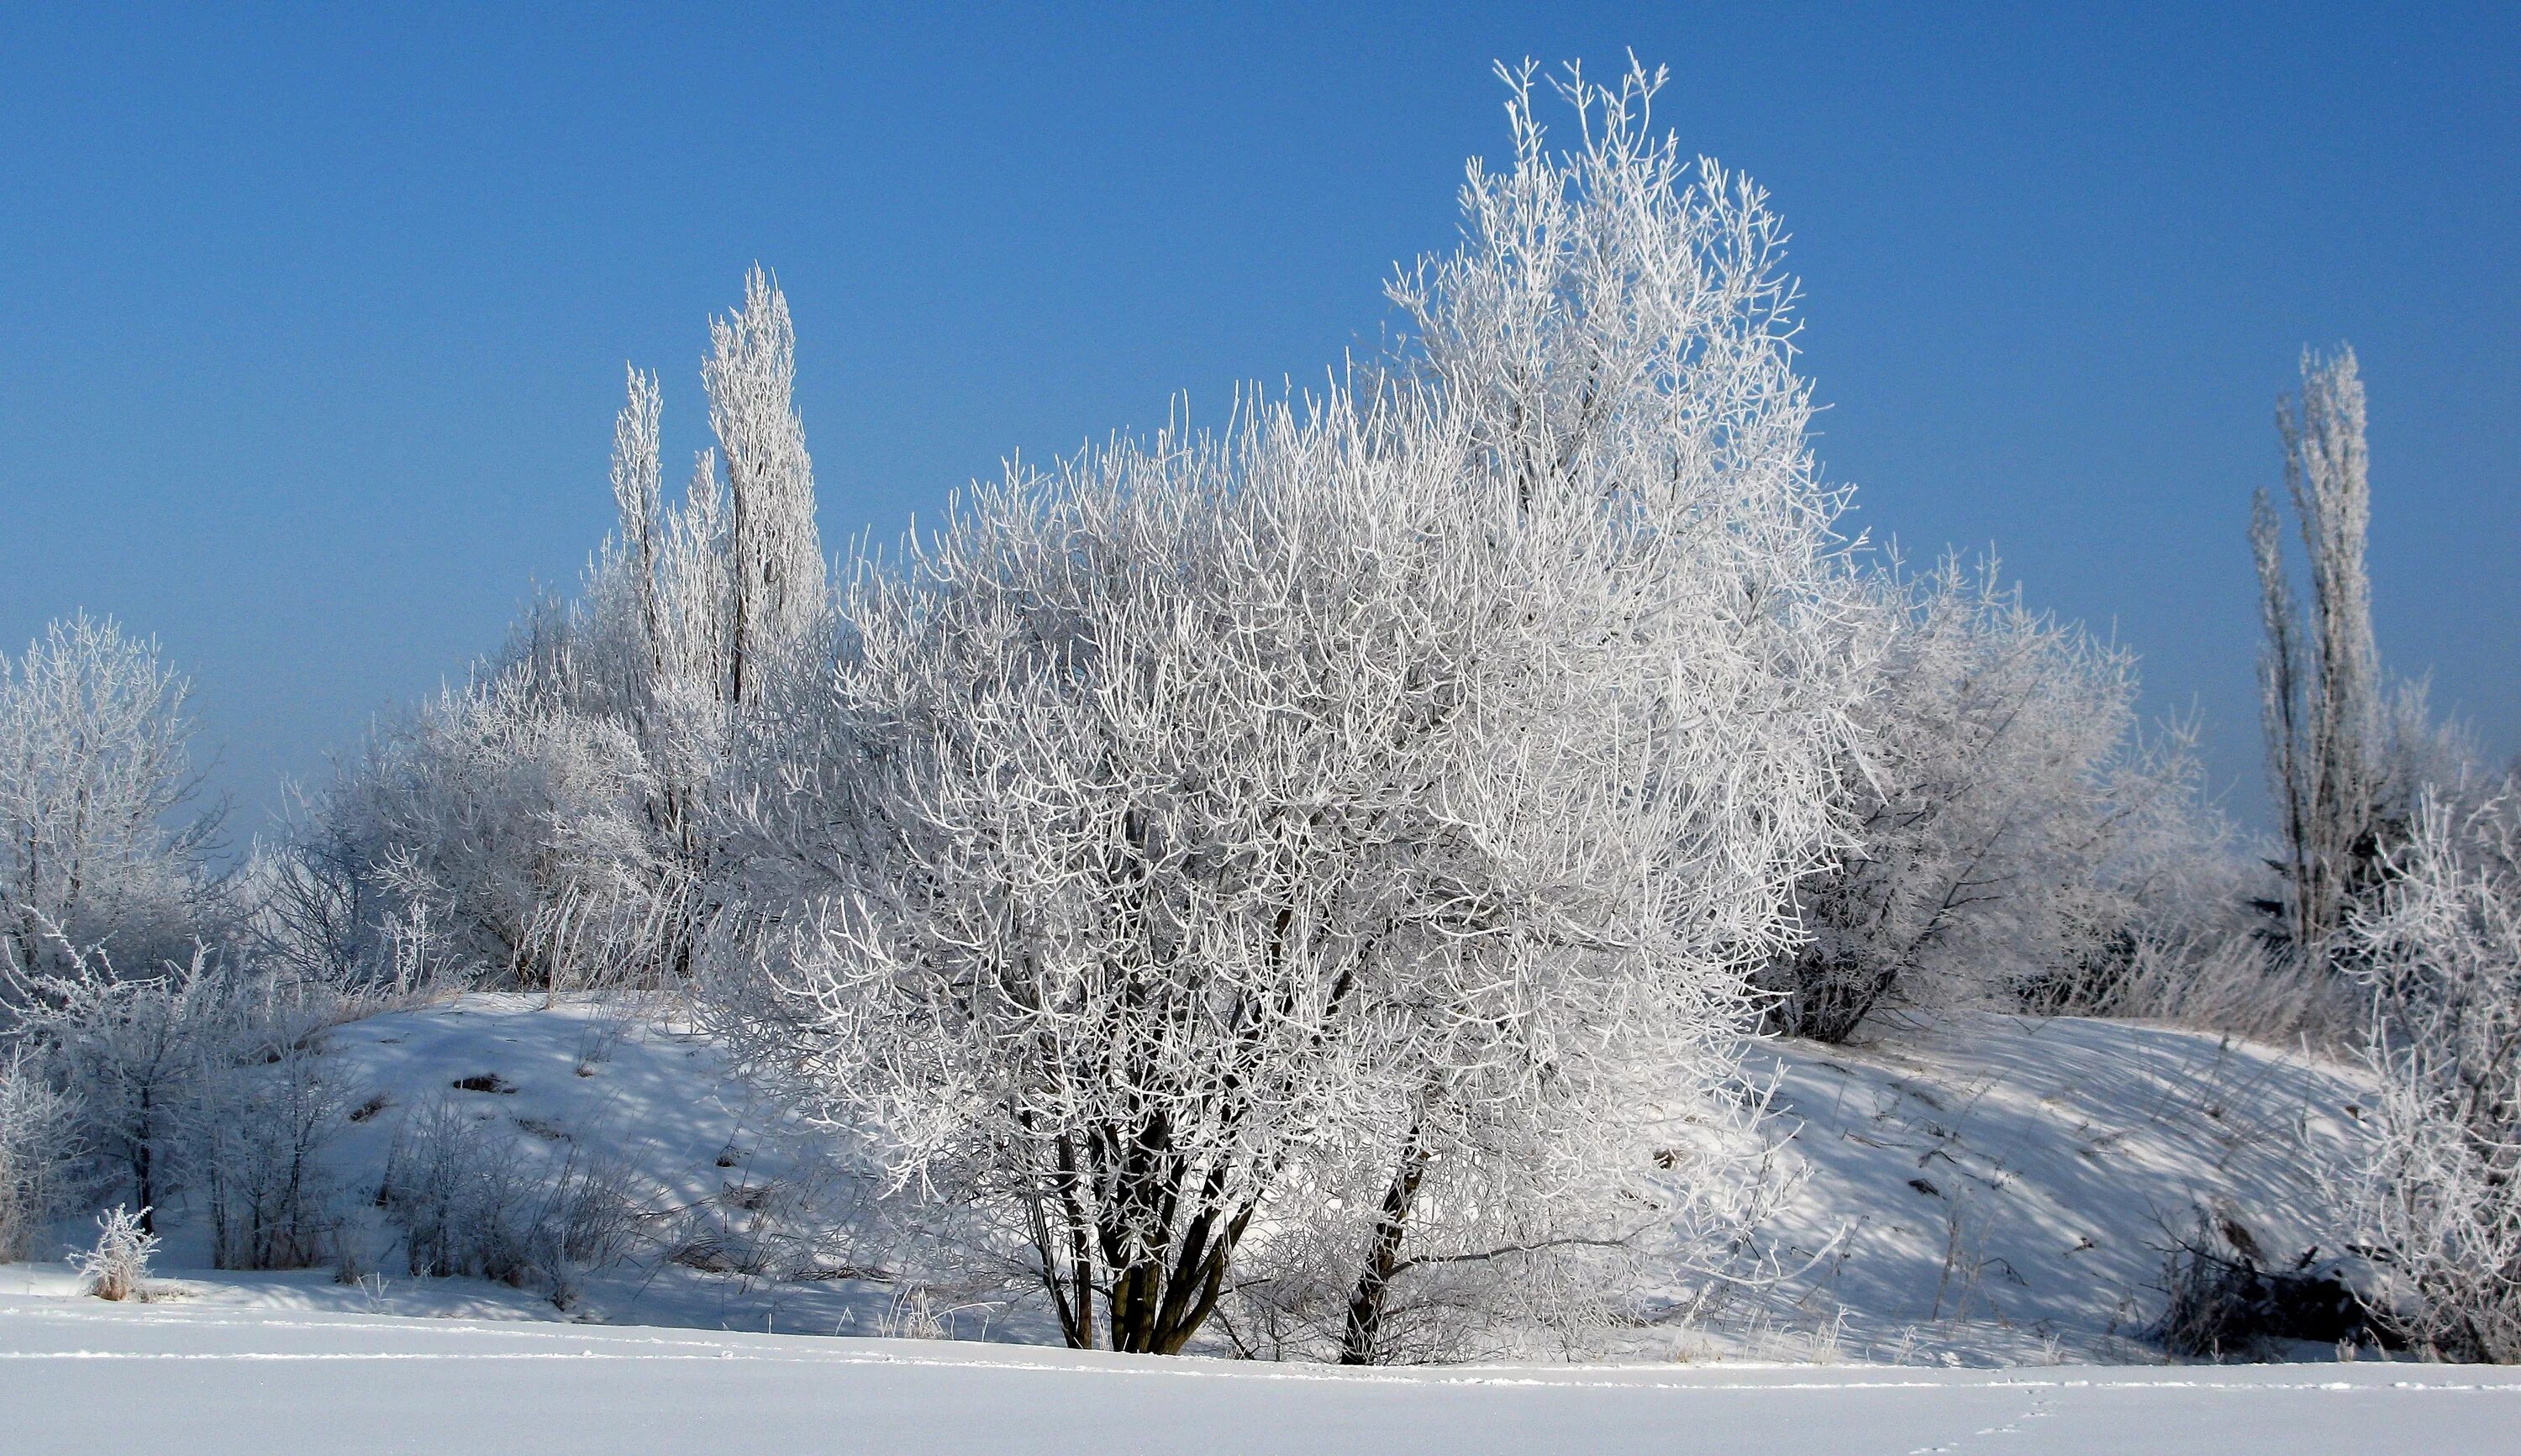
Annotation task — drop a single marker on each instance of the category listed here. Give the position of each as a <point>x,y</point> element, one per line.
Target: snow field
<point>88,1377</point>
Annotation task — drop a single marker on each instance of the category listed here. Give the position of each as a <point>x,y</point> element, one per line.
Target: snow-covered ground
<point>1990,1196</point>
<point>85,1377</point>
<point>728,1198</point>
<point>1990,1190</point>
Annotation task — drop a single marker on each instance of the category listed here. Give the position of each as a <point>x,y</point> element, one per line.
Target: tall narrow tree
<point>777,552</point>
<point>554,815</point>
<point>2319,676</point>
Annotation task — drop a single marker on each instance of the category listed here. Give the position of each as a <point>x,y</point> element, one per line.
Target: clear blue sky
<point>312,322</point>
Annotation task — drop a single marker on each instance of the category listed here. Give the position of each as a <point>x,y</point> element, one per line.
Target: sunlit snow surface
<point>87,1377</point>
<point>2004,1189</point>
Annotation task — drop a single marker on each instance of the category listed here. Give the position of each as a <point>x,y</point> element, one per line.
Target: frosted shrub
<point>501,817</point>
<point>2439,1191</point>
<point>116,1266</point>
<point>588,1215</point>
<point>2215,976</point>
<point>134,1057</point>
<point>259,1138</point>
<point>2182,937</point>
<point>330,906</point>
<point>455,1193</point>
<point>1325,931</point>
<point>2007,815</point>
<point>473,1203</point>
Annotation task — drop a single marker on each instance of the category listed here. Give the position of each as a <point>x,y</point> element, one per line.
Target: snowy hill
<point>1989,1190</point>
<point>2006,1190</point>
<point>721,1216</point>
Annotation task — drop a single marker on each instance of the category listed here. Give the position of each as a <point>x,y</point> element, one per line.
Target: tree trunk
<point>1361,1344</point>
<point>143,1169</point>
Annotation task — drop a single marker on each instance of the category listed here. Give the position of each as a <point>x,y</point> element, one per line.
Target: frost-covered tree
<point>2439,1192</point>
<point>1614,337</point>
<point>1105,814</point>
<point>39,1149</point>
<point>710,597</point>
<point>551,822</point>
<point>1198,813</point>
<point>2008,818</point>
<point>776,601</point>
<point>694,615</point>
<point>1220,838</point>
<point>2320,672</point>
<point>94,764</point>
<point>132,1054</point>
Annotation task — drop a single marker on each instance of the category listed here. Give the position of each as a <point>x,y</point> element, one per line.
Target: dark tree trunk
<point>144,1183</point>
<point>1361,1344</point>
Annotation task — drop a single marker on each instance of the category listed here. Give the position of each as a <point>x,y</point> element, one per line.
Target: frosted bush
<point>502,818</point>
<point>2008,818</point>
<point>134,1057</point>
<point>470,1202</point>
<point>2439,1192</point>
<point>116,1266</point>
<point>2222,978</point>
<point>260,1139</point>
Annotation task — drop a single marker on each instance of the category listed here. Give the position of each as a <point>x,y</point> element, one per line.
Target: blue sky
<point>312,322</point>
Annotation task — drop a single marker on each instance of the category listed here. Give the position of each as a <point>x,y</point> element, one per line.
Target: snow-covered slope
<point>85,1377</point>
<point>2006,1189</point>
<point>1989,1190</point>
<point>726,1216</point>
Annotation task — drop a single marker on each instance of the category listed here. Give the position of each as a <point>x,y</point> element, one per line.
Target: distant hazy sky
<point>312,322</point>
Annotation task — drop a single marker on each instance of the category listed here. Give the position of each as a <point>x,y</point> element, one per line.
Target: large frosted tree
<point>1614,341</point>
<point>1305,843</point>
